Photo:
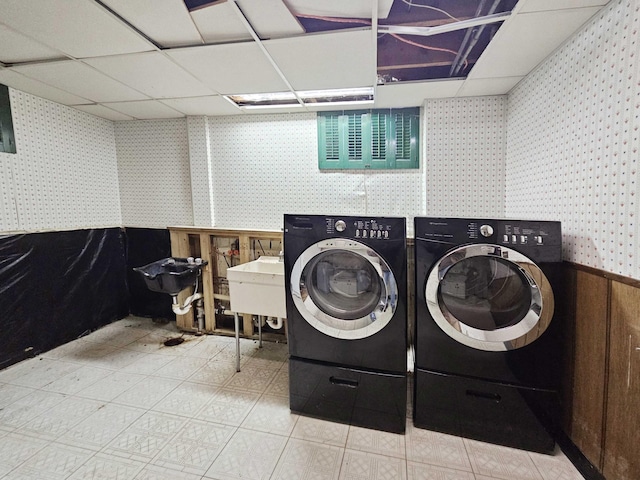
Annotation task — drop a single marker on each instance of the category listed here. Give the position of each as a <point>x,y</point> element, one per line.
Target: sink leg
<point>236,324</point>
<point>259,331</point>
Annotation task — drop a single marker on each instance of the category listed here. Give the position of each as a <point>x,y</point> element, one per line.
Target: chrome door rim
<point>336,327</point>
<point>527,330</point>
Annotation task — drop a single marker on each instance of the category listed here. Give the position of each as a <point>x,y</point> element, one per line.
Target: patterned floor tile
<point>304,460</point>
<point>146,363</point>
<point>11,393</point>
<point>187,399</point>
<point>436,448</point>
<point>100,428</point>
<point>101,467</point>
<point>146,437</point>
<point>110,385</point>
<point>271,414</point>
<point>27,408</point>
<point>155,472</point>
<point>500,462</point>
<point>249,455</point>
<point>59,419</point>
<point>374,441</point>
<point>147,392</point>
<point>214,372</point>
<point>195,448</point>
<point>228,406</point>
<point>421,471</point>
<point>252,379</point>
<point>362,465</point>
<point>555,467</point>
<point>47,371</point>
<point>321,431</point>
<point>181,368</point>
<point>15,449</point>
<point>53,462</point>
<point>76,380</point>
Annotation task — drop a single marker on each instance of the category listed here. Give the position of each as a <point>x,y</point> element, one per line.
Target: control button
<point>341,226</point>
<point>514,238</point>
<point>372,234</point>
<point>486,230</point>
<point>539,239</point>
<point>523,239</point>
<point>506,238</point>
<point>364,234</point>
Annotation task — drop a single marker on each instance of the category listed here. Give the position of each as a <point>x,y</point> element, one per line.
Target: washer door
<point>489,297</point>
<point>344,289</point>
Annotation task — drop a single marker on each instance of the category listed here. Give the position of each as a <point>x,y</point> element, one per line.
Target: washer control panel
<point>364,228</point>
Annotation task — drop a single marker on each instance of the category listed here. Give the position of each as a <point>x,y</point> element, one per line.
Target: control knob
<point>341,226</point>
<point>486,230</point>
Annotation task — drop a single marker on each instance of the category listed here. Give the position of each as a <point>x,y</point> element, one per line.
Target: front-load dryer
<point>488,341</point>
<point>346,289</point>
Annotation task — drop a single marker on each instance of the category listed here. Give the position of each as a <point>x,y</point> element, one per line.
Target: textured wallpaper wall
<point>465,156</point>
<point>573,142</point>
<point>154,173</point>
<point>267,165</point>
<point>64,175</point>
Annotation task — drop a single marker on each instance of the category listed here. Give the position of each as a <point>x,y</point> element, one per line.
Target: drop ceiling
<point>147,59</point>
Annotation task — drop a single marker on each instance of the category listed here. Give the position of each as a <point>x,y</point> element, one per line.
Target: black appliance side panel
<point>491,412</point>
<point>345,395</point>
<point>146,245</point>
<point>57,286</point>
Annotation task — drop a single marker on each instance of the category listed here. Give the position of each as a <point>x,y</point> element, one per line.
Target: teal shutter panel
<point>376,139</point>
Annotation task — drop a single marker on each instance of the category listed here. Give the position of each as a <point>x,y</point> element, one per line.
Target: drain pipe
<point>178,310</point>
<point>275,324</point>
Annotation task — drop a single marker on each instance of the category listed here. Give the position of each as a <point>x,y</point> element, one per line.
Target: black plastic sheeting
<point>57,286</point>
<point>145,245</point>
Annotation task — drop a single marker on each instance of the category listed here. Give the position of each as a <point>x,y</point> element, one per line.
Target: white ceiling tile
<point>220,23</point>
<point>104,112</point>
<point>340,8</point>
<point>167,22</point>
<point>81,79</point>
<point>526,6</point>
<point>487,86</point>
<point>145,109</point>
<point>329,60</point>
<point>270,18</point>
<point>232,68</point>
<point>413,94</point>
<point>80,28</point>
<point>527,39</point>
<point>18,48</point>
<point>151,73</point>
<point>39,89</point>
<point>211,105</point>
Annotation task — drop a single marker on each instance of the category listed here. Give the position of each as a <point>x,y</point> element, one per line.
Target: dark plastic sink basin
<point>170,275</point>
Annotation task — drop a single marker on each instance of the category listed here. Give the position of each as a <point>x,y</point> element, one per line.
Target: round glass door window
<point>344,289</point>
<point>489,297</point>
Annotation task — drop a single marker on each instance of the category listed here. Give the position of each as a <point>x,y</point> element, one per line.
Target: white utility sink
<point>257,287</point>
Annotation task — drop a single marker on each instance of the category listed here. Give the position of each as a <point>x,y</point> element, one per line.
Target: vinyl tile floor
<point>118,404</point>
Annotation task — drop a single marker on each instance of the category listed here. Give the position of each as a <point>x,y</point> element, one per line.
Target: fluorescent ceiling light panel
<point>348,96</point>
<point>340,8</point>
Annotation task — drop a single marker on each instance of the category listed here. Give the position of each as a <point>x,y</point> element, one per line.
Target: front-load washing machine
<point>488,343</point>
<point>346,289</point>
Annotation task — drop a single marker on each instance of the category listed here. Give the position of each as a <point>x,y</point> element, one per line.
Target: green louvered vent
<point>371,139</point>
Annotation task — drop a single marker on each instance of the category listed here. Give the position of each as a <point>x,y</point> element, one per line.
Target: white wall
<point>64,174</point>
<point>154,174</point>
<point>573,142</point>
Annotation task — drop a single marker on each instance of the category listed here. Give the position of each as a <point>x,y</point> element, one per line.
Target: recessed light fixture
<point>343,96</point>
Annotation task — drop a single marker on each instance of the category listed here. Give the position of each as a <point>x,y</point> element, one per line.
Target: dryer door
<point>344,289</point>
<point>489,297</point>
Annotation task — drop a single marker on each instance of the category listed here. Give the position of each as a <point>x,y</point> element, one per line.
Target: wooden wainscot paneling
<point>589,364</point>
<point>622,438</point>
